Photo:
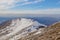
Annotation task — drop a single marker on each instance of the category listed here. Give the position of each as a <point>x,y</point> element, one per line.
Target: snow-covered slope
<point>19,28</point>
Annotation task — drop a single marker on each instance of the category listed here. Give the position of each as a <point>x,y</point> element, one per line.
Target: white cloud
<point>32,2</point>
<point>5,4</point>
<point>43,11</point>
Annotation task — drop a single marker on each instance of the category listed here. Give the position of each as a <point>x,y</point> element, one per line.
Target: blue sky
<point>40,5</point>
<point>29,6</point>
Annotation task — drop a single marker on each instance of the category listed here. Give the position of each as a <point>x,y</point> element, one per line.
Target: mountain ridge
<point>19,27</point>
<point>50,33</point>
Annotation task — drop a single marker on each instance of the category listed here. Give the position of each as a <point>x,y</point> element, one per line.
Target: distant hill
<point>44,20</point>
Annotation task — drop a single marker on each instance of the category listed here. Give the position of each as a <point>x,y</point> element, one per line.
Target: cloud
<point>5,4</point>
<point>32,2</point>
<point>41,11</point>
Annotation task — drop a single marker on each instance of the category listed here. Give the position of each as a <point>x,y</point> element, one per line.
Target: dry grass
<point>50,33</point>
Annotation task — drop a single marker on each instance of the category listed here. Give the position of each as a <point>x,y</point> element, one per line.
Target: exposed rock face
<point>50,33</point>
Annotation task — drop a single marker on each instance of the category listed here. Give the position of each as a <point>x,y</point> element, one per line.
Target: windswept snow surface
<point>19,28</point>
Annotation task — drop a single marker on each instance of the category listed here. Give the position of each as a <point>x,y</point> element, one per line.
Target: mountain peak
<point>18,27</point>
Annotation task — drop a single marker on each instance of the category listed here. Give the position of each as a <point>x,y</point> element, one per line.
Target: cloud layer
<point>5,4</point>
<point>41,11</point>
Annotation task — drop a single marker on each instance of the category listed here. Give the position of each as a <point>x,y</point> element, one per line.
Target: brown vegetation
<point>50,33</point>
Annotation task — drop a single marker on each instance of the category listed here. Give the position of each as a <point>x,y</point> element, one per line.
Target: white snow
<point>16,26</point>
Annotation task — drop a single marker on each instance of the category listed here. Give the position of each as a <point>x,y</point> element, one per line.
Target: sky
<point>29,7</point>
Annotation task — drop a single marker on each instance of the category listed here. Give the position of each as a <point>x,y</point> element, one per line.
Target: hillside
<point>50,33</point>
